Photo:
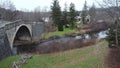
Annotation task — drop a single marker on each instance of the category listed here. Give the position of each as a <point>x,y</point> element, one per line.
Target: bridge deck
<point>3,23</point>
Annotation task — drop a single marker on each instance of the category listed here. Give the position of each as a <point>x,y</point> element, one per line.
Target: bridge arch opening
<point>22,38</point>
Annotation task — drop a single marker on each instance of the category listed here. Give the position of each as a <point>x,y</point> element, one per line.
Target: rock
<point>15,65</point>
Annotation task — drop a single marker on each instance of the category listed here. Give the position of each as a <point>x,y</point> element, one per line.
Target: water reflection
<point>102,34</point>
<point>99,35</point>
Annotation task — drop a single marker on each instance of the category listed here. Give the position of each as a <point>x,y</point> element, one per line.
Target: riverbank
<point>64,44</point>
<point>87,57</point>
<point>67,31</point>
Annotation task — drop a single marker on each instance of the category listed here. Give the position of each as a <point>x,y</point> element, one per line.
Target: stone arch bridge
<point>12,33</point>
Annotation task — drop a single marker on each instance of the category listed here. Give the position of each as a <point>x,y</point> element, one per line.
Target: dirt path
<point>113,58</point>
<point>96,51</point>
<point>102,63</point>
<point>96,48</point>
<point>108,57</point>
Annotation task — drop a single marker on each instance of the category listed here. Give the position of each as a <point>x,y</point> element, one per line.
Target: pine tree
<point>84,13</point>
<point>111,34</point>
<point>65,16</point>
<point>72,15</point>
<point>56,14</point>
<point>92,13</point>
<point>83,16</point>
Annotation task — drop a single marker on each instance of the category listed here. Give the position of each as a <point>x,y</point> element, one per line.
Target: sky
<point>32,4</point>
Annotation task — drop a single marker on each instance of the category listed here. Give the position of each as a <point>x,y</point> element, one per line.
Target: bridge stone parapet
<point>13,24</point>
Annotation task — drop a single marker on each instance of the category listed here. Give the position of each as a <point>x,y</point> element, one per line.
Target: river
<point>58,41</point>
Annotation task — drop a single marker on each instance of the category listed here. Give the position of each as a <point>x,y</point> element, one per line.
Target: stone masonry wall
<point>37,30</point>
<point>5,49</point>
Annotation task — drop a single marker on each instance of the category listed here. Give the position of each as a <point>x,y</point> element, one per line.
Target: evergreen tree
<point>92,13</point>
<point>56,14</point>
<point>65,16</point>
<point>111,34</point>
<point>72,15</point>
<point>83,16</point>
<point>84,13</point>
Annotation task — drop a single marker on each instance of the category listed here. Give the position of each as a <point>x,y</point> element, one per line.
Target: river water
<point>101,34</point>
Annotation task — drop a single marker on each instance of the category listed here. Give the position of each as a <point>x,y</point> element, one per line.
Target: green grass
<point>58,33</point>
<point>86,57</point>
<point>7,63</point>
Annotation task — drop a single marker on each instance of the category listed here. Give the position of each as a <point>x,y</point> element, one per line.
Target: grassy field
<point>87,57</point>
<point>58,33</point>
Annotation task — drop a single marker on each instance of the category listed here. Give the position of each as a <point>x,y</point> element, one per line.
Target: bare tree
<point>37,14</point>
<point>113,10</point>
<point>111,7</point>
<point>7,10</point>
<point>44,13</point>
<point>7,4</point>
